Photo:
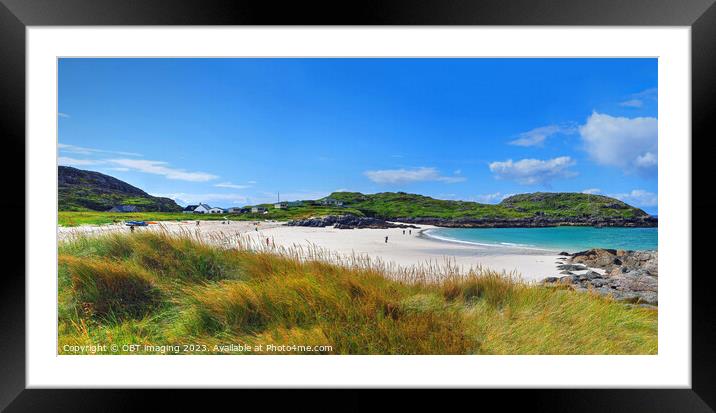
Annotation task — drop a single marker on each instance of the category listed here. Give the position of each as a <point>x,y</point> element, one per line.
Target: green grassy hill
<point>80,190</point>
<point>153,289</point>
<point>569,204</point>
<point>83,192</point>
<point>548,204</point>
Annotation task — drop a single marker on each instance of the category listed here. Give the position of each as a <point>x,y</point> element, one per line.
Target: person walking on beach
<point>403,232</point>
<point>386,239</point>
<point>410,232</point>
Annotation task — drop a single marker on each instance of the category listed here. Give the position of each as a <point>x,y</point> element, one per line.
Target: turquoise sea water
<point>570,239</point>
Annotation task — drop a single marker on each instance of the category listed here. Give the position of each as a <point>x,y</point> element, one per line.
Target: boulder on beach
<point>630,276</point>
<point>571,267</point>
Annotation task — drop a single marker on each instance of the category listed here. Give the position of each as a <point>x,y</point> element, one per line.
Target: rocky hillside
<point>81,190</point>
<point>525,210</point>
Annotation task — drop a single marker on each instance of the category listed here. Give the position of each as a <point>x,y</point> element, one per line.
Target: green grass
<point>92,199</point>
<point>75,218</point>
<point>567,204</point>
<point>395,205</point>
<point>151,288</point>
<point>401,204</point>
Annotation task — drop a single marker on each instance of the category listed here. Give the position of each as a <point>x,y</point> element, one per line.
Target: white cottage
<point>202,209</point>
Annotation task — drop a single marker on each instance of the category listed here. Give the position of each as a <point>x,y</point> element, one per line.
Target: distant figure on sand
<point>410,232</point>
<point>403,232</point>
<point>197,223</point>
<point>267,242</point>
<point>386,239</point>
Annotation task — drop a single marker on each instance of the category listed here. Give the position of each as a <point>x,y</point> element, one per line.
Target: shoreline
<point>418,249</point>
<point>409,250</point>
<point>425,235</point>
<point>403,250</point>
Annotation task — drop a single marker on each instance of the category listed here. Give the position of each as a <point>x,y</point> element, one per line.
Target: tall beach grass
<point>162,291</point>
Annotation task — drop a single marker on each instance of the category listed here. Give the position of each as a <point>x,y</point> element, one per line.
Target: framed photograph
<point>447,195</point>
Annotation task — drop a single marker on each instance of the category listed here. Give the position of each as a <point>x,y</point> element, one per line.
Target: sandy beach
<point>401,249</point>
<point>414,249</point>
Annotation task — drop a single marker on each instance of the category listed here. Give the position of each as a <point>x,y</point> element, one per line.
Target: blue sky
<point>237,131</point>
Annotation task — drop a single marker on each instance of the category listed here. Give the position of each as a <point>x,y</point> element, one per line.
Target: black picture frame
<point>16,15</point>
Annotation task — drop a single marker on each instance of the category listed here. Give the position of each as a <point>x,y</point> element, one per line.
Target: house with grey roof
<point>197,209</point>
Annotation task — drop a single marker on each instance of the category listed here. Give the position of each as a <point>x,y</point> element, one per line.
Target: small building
<point>216,210</point>
<point>189,209</point>
<point>331,202</point>
<point>236,210</point>
<point>281,205</point>
<point>294,203</point>
<point>258,210</point>
<point>202,209</point>
<point>124,208</point>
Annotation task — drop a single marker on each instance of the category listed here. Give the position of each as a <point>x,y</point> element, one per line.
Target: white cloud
<point>493,198</point>
<point>299,195</point>
<point>63,115</point>
<point>161,168</point>
<point>638,100</point>
<point>534,171</point>
<point>632,103</point>
<point>537,136</point>
<point>67,161</point>
<point>638,197</point>
<point>401,176</point>
<point>141,165</point>
<point>646,160</point>
<point>629,144</point>
<point>209,198</point>
<point>81,150</point>
<point>591,191</point>
<point>232,186</point>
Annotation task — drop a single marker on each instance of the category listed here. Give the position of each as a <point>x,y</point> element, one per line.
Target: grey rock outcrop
<point>346,222</point>
<point>630,276</point>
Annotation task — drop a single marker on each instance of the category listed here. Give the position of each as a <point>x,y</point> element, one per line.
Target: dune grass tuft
<point>105,288</point>
<point>164,292</point>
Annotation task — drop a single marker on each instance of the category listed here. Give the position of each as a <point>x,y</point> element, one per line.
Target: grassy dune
<point>154,289</point>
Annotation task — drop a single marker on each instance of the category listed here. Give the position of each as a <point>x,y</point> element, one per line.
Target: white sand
<point>404,250</point>
<point>205,228</point>
<point>408,250</point>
